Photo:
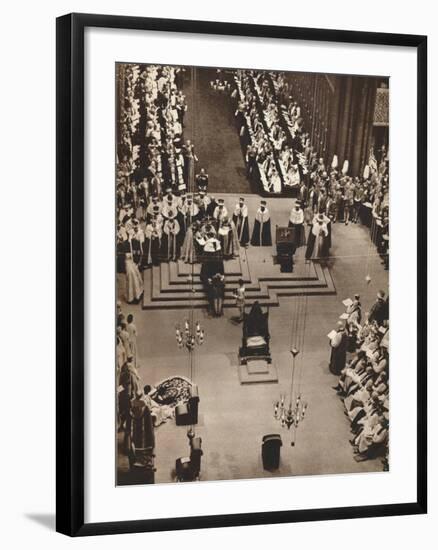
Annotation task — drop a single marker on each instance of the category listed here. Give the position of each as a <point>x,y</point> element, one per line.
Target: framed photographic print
<point>227,280</point>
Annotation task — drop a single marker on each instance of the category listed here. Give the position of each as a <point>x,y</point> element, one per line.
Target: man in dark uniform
<point>202,181</point>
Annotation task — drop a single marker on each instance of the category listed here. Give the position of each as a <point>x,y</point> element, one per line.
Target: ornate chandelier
<point>191,335</point>
<point>292,415</point>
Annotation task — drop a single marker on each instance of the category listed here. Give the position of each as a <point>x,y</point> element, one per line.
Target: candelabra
<point>290,416</point>
<point>189,336</point>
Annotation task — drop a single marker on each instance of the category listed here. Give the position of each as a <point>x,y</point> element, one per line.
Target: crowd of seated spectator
<point>267,153</point>
<point>360,199</point>
<point>279,154</point>
<point>154,167</point>
<point>151,152</point>
<point>364,381</point>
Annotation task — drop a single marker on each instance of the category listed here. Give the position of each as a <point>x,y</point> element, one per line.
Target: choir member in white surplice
<point>153,208</point>
<point>261,234</point>
<point>274,180</point>
<point>169,204</point>
<point>293,176</point>
<point>191,211</point>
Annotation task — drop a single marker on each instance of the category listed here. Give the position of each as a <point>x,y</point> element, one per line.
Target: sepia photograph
<point>207,329</point>
<point>252,273</point>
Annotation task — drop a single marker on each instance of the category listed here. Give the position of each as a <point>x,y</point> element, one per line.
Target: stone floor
<point>234,417</point>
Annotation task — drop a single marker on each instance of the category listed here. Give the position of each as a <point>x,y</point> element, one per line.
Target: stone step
<point>201,302</point>
<point>175,277</point>
<point>161,284</point>
<point>248,376</point>
<point>162,275</point>
<point>232,267</point>
<point>161,291</point>
<point>199,294</point>
<point>252,290</point>
<point>184,304</point>
<point>235,268</point>
<point>167,273</point>
<point>181,271</point>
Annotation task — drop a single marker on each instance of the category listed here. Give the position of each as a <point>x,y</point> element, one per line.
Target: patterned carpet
<point>209,122</point>
<point>172,391</point>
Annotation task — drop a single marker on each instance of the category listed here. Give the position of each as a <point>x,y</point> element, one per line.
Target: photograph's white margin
<point>104,501</point>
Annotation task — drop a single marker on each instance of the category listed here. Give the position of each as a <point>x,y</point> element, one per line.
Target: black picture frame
<point>70,272</point>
